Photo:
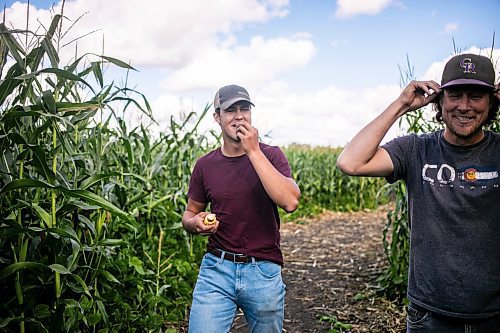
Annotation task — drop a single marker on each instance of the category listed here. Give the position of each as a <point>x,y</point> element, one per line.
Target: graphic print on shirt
<point>470,176</point>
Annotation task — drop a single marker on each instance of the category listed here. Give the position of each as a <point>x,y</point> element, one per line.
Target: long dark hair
<point>492,114</point>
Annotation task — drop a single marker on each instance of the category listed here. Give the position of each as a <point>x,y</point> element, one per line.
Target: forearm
<point>364,146</point>
<point>188,222</point>
<point>282,190</point>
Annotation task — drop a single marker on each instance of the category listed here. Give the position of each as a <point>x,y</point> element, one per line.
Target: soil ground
<point>331,266</point>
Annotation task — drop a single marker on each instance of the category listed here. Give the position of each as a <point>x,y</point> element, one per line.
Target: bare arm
<point>363,156</point>
<point>282,190</point>
<point>192,219</point>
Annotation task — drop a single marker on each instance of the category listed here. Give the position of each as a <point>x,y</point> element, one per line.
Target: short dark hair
<point>492,112</point>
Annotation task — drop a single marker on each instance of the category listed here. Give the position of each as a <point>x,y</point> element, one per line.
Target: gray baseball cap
<point>228,95</point>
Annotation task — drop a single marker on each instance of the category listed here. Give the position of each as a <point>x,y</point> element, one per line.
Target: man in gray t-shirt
<point>453,187</point>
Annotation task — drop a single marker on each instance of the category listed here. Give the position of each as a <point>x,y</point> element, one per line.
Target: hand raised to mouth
<point>248,135</point>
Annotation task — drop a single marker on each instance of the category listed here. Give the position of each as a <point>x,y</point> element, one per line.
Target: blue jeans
<point>223,286</point>
<point>420,320</point>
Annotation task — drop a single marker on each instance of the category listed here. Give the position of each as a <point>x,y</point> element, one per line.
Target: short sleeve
<point>400,151</point>
<point>196,189</point>
<point>278,159</point>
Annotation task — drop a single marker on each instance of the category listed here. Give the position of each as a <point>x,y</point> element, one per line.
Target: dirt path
<point>331,266</point>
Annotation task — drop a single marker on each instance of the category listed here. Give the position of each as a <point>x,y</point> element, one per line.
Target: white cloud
<point>349,8</point>
<point>252,64</point>
<point>339,43</point>
<point>167,33</point>
<point>331,116</point>
<point>194,48</point>
<point>449,28</point>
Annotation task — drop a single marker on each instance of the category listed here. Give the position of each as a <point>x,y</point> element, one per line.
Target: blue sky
<point>317,71</point>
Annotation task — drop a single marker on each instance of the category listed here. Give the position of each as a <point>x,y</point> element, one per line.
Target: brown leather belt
<point>234,257</point>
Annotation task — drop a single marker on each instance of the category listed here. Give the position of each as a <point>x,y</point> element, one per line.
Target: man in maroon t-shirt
<point>244,181</point>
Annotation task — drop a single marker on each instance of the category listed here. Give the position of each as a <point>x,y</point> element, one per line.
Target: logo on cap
<point>468,66</point>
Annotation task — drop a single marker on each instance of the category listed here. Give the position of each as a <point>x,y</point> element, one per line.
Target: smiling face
<point>232,117</point>
<point>464,111</point>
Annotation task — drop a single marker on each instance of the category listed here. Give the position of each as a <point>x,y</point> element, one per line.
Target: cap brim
<point>461,82</point>
<point>230,102</point>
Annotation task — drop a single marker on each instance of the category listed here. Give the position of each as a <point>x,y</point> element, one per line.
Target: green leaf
<point>118,63</point>
<point>59,268</point>
<point>74,205</point>
<point>96,69</point>
<point>81,282</point>
<point>88,223</point>
<point>65,231</point>
<point>61,107</point>
<point>77,107</point>
<point>6,322</point>
<point>49,101</point>
<point>20,266</point>
<point>86,303</point>
<point>42,311</point>
<point>51,52</point>
<point>93,319</point>
<point>41,163</point>
<point>15,49</point>
<point>71,303</point>
<point>24,183</point>
<point>94,198</point>
<point>97,178</point>
<point>109,276</point>
<point>137,264</point>
<point>112,242</point>
<point>60,73</point>
<point>89,196</point>
<point>40,212</point>
<point>43,215</point>
<point>102,310</point>
<point>53,26</point>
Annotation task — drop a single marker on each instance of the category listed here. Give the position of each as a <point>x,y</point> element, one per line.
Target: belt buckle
<point>241,258</point>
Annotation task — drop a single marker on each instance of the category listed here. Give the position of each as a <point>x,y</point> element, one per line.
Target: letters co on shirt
<point>471,177</point>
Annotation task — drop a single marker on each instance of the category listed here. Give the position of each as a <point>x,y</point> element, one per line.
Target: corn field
<point>323,186</point>
<point>90,232</point>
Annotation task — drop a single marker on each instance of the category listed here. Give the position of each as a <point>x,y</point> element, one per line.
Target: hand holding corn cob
<point>209,219</point>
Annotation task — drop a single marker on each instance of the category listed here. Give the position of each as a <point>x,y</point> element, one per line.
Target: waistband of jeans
<point>234,257</point>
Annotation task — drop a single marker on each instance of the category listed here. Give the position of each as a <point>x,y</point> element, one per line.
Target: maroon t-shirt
<point>248,219</point>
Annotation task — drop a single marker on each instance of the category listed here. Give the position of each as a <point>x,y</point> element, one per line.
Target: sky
<point>316,70</point>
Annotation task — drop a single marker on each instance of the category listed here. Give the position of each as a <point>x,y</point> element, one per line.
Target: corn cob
<point>209,219</point>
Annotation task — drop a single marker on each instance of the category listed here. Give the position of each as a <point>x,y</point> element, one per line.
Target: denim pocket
<point>417,315</point>
<point>268,268</point>
<point>209,260</point>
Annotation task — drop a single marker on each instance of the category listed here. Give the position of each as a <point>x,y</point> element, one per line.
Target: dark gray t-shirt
<point>454,215</point>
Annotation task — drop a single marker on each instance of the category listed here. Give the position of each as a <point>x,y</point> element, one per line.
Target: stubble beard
<point>466,133</point>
